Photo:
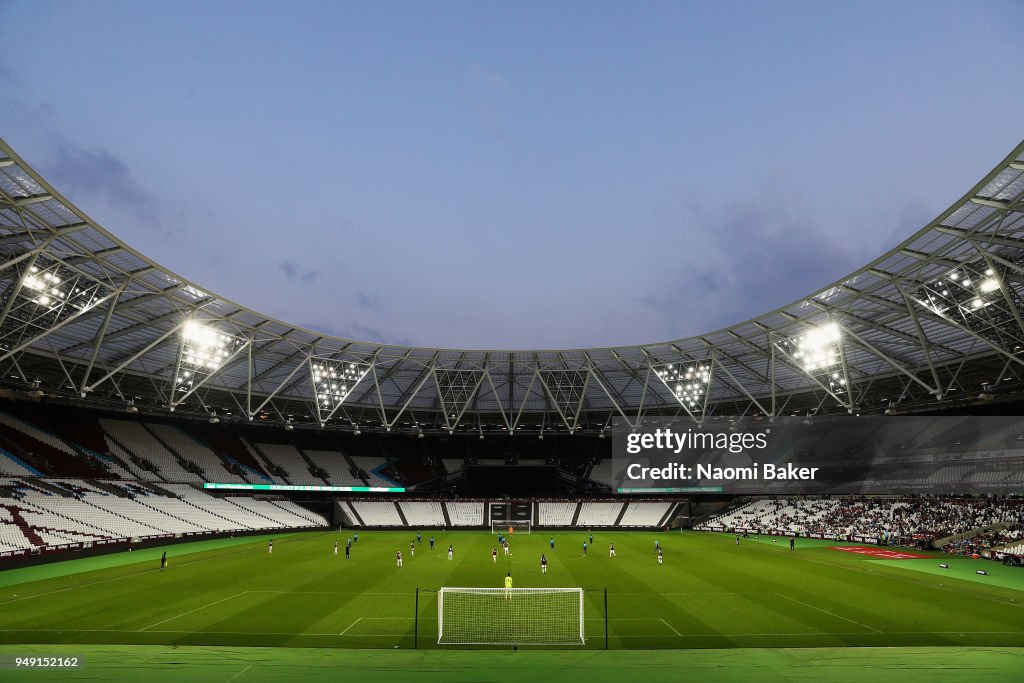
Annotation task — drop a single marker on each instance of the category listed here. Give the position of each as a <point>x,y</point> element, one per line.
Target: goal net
<point>519,526</point>
<point>510,616</point>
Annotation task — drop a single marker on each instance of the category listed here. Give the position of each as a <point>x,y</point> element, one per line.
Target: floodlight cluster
<point>204,347</point>
<point>333,383</point>
<point>49,289</point>
<point>44,287</point>
<point>689,383</point>
<point>964,290</point>
<point>818,349</point>
<point>204,350</point>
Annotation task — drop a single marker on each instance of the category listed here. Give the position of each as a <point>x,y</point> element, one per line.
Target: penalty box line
<point>191,611</point>
<point>832,614</point>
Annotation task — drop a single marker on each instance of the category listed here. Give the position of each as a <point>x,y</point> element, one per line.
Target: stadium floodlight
<point>819,353</point>
<point>204,350</point>
<point>510,616</point>
<point>48,294</point>
<point>689,382</point>
<point>333,381</point>
<point>818,349</point>
<point>976,295</point>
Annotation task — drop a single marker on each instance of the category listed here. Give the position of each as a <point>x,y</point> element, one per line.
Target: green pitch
<point>710,593</point>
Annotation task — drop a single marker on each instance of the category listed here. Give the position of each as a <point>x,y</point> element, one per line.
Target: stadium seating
<point>556,514</point>
<point>191,450</point>
<point>288,458</point>
<point>11,464</point>
<point>641,514</point>
<point>601,473</point>
<point>60,457</point>
<point>311,518</point>
<point>276,515</point>
<point>371,466</point>
<point>142,443</point>
<point>338,470</point>
<point>377,514</point>
<point>598,514</point>
<point>423,514</point>
<point>465,513</point>
<point>893,520</point>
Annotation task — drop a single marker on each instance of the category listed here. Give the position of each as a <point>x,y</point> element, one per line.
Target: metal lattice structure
<point>85,317</point>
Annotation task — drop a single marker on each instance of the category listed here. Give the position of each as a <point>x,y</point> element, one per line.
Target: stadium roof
<point>85,315</point>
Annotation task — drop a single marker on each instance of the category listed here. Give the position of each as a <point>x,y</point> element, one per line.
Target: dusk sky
<point>512,175</point>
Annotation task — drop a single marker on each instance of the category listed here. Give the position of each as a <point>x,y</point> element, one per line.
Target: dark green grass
<point>708,594</point>
<point>171,664</point>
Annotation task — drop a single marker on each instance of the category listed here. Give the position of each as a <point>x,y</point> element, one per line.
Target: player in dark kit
<point>792,543</point>
<point>163,560</point>
<point>348,550</point>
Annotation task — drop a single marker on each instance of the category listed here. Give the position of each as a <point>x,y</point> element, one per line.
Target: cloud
<point>296,273</point>
<point>81,171</point>
<point>757,259</point>
<point>367,302</point>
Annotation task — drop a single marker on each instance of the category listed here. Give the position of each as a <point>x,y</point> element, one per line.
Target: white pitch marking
<point>239,674</point>
<point>837,616</point>
<point>230,597</point>
<point>671,627</point>
<point>350,626</point>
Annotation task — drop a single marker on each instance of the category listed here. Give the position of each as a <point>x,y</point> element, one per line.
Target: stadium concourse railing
<point>486,521</point>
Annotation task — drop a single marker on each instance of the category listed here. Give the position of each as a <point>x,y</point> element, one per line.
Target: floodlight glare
<point>989,285</point>
<point>818,349</point>
<point>204,349</point>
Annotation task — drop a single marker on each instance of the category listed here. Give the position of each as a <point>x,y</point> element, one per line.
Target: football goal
<point>510,616</point>
<point>518,526</point>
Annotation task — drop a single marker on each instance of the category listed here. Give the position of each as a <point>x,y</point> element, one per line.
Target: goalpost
<point>510,616</point>
<point>518,526</point>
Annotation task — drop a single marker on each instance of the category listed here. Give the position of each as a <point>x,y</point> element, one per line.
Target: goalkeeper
<point>508,586</point>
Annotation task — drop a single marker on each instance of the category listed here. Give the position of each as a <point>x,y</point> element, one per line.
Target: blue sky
<point>512,175</point>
